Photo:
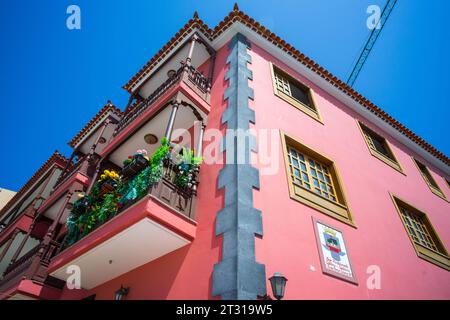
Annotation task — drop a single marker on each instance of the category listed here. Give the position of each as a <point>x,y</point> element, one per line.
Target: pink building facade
<point>300,175</point>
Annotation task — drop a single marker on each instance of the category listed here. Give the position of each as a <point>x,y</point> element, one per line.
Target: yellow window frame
<point>281,87</point>
<point>439,257</point>
<point>366,133</point>
<point>339,209</point>
<point>434,189</point>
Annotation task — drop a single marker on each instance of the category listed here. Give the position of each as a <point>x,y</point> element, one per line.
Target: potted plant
<point>109,181</point>
<point>135,164</point>
<point>187,168</point>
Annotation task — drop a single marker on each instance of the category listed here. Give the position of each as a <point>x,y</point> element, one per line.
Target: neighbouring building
<point>300,174</point>
<point>5,196</point>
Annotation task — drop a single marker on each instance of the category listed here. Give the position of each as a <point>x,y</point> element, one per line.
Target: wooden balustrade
<point>195,79</point>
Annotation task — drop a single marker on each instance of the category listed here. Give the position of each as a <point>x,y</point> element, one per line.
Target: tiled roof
<point>98,117</point>
<point>56,158</point>
<point>194,23</point>
<point>237,15</point>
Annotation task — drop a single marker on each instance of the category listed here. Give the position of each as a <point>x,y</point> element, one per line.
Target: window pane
<point>309,169</point>
<point>300,94</point>
<point>316,182</point>
<point>302,166</point>
<point>321,176</point>
<point>305,176</point>
<point>417,227</point>
<point>377,142</point>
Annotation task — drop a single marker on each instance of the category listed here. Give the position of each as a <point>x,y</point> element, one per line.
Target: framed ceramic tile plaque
<point>334,257</point>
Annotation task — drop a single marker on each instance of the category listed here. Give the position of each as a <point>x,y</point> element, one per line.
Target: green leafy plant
<point>187,165</point>
<point>92,209</point>
<point>138,187</point>
<point>108,207</point>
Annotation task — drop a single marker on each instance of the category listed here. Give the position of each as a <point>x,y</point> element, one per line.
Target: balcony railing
<point>165,190</point>
<point>69,173</point>
<point>22,262</point>
<point>18,269</point>
<point>29,210</point>
<point>195,79</point>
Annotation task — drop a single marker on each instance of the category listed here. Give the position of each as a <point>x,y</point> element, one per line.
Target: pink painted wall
<point>289,244</point>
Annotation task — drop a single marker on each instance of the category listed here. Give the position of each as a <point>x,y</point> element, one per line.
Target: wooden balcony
<point>69,172</point>
<point>143,230</point>
<point>16,271</point>
<point>186,74</point>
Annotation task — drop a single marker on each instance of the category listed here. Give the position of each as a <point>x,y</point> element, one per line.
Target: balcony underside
<point>19,296</point>
<point>140,234</point>
<point>25,289</point>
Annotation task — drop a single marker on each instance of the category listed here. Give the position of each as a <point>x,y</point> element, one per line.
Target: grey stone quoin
<point>238,276</point>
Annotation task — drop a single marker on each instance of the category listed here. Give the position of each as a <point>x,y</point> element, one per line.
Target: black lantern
<point>278,284</point>
<point>122,292</point>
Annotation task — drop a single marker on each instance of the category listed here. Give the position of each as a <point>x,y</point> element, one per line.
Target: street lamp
<point>278,284</point>
<point>122,292</point>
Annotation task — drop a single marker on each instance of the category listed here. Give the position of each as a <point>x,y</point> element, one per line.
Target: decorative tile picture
<point>334,257</point>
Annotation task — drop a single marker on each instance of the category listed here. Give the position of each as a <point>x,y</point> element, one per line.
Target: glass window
<point>314,175</point>
<point>293,88</point>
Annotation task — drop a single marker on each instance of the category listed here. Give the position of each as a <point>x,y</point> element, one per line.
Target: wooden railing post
<point>66,167</point>
<point>88,160</point>
<point>51,230</point>
<point>22,244</point>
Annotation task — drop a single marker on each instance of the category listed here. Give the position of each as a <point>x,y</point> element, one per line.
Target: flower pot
<point>138,164</point>
<point>107,187</point>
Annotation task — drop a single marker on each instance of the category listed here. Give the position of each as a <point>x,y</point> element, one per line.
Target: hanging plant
<point>100,205</point>
<point>187,166</point>
<point>139,185</point>
<point>80,207</point>
<point>135,164</point>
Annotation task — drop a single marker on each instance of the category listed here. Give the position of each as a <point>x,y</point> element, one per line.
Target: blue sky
<point>53,80</point>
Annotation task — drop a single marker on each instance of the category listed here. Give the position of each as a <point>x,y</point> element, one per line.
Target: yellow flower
<point>102,176</point>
